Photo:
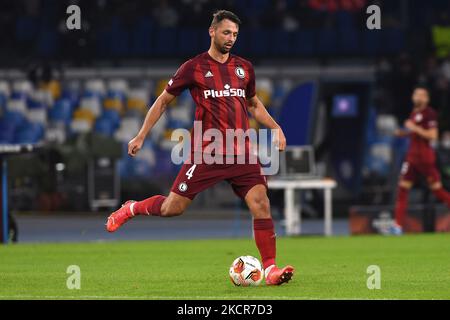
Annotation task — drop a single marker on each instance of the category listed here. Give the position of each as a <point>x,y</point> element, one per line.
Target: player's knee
<point>435,185</point>
<point>261,205</point>
<point>405,184</point>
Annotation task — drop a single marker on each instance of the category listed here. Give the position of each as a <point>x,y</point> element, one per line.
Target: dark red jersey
<point>220,91</point>
<point>421,149</point>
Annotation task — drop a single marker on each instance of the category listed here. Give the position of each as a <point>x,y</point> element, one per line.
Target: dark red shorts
<point>412,170</point>
<point>195,178</point>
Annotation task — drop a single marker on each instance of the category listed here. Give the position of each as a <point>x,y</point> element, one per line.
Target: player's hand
<point>135,145</point>
<point>401,133</point>
<point>280,140</point>
<point>410,125</point>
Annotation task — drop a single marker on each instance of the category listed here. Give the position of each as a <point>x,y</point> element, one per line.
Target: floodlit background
<point>323,75</point>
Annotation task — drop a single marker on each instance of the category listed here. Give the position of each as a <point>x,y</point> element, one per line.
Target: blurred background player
<point>422,128</point>
<point>215,69</point>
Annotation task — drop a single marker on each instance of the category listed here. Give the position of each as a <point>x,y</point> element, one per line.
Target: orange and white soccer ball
<point>246,271</point>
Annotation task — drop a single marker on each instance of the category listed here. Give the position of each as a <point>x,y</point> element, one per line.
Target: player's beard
<point>222,48</point>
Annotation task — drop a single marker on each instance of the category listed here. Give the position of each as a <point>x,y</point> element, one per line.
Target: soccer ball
<point>246,271</point>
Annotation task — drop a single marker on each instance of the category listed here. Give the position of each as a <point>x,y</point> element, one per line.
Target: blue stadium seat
<point>165,41</point>
<point>29,133</point>
<point>141,37</point>
<point>241,45</point>
<point>372,45</point>
<point>344,20</point>
<point>304,43</point>
<point>281,42</point>
<point>26,28</point>
<point>112,116</point>
<point>104,126</point>
<point>6,131</point>
<point>394,40</point>
<point>15,118</point>
<point>119,41</point>
<point>47,42</point>
<point>61,111</point>
<point>188,41</point>
<point>349,41</point>
<point>258,43</point>
<point>327,42</point>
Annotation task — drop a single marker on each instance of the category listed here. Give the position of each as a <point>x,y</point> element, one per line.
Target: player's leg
<point>435,184</point>
<point>407,178</point>
<point>401,203</point>
<point>265,237</point>
<point>191,180</point>
<point>161,206</point>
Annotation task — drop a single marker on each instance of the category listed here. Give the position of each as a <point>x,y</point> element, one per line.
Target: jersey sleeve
<point>431,120</point>
<point>181,80</point>
<point>250,90</point>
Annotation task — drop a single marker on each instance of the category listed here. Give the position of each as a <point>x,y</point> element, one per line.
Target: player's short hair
<point>422,87</point>
<point>220,15</point>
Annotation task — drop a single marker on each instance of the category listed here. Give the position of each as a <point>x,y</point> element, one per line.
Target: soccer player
<point>420,158</point>
<point>223,88</point>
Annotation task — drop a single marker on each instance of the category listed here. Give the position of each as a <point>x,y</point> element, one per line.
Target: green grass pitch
<point>412,267</point>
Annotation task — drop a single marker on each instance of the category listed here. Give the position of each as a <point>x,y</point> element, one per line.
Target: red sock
<point>401,205</point>
<point>150,206</point>
<point>265,239</point>
<point>443,196</point>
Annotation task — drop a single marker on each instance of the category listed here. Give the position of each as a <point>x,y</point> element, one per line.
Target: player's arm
<point>259,112</point>
<point>401,133</point>
<point>429,134</point>
<point>153,115</point>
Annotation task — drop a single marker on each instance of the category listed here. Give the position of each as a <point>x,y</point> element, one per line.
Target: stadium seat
<point>92,104</point>
<point>264,88</point>
<point>258,44</point>
<point>17,105</point>
<point>138,100</point>
<point>37,112</point>
<point>349,41</point>
<point>61,111</point>
<point>95,87</point>
<point>393,40</point>
<point>141,37</point>
<point>112,116</point>
<point>165,41</point>
<point>104,126</point>
<point>80,126</point>
<point>84,114</point>
<point>5,88</point>
<point>7,129</point>
<point>281,43</point>
<point>327,42</point>
<point>29,133</point>
<point>47,42</point>
<point>304,42</point>
<point>119,40</point>
<point>188,41</point>
<point>372,42</point>
<point>23,87</point>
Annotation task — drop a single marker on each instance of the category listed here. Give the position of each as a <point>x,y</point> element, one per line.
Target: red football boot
<point>119,217</point>
<point>277,276</point>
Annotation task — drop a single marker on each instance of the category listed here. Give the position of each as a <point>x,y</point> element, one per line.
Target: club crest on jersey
<point>228,92</point>
<point>240,72</point>
<point>418,117</point>
<point>183,187</point>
